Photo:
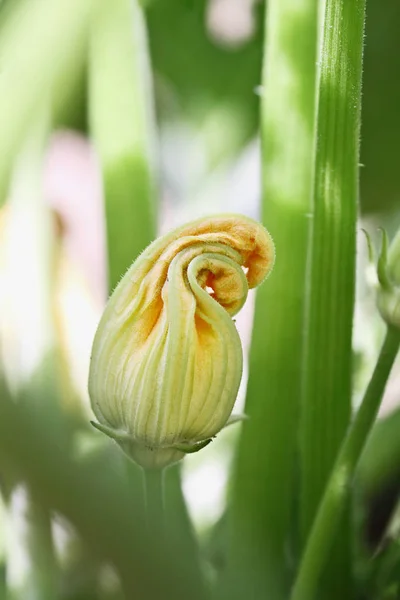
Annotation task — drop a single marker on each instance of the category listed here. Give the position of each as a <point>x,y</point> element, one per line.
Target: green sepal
<point>370,247</point>
<point>191,448</point>
<point>115,434</point>
<point>382,270</point>
<point>236,419</point>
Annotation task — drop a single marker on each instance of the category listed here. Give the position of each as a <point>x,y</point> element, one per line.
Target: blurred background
<point>206,69</point>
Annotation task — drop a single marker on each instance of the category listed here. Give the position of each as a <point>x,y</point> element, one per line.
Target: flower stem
<point>260,518</point>
<point>154,499</point>
<point>335,496</point>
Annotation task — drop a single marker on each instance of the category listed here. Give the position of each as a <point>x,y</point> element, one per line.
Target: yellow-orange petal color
<point>167,360</point>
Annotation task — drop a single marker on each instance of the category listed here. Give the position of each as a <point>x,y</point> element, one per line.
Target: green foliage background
<point>84,66</point>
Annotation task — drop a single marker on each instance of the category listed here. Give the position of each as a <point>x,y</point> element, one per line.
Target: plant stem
<point>179,529</point>
<point>336,494</point>
<point>326,394</point>
<point>261,521</point>
<point>121,123</point>
<point>154,500</point>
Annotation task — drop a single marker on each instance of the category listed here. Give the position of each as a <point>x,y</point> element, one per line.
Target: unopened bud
<point>388,279</point>
<point>167,359</point>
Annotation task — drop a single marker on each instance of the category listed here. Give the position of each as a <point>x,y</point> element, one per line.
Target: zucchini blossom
<point>167,359</point>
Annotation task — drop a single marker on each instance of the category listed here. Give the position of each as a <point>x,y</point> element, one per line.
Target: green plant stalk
<point>179,529</point>
<point>326,397</point>
<point>54,34</point>
<point>337,491</point>
<point>260,522</point>
<point>121,124</point>
<point>154,500</point>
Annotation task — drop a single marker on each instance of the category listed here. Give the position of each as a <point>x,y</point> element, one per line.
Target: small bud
<point>388,279</point>
<point>167,359</point>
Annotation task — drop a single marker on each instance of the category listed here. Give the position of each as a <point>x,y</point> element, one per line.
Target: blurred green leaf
<point>380,176</point>
<point>381,459</point>
<point>96,500</point>
<point>38,41</point>
<point>202,77</point>
<point>120,122</point>
<point>384,577</point>
<point>29,355</point>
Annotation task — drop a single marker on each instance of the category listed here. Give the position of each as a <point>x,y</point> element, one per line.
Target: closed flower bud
<point>388,297</point>
<point>167,359</point>
<point>387,279</point>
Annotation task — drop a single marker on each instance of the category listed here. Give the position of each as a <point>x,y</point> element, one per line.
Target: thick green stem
<point>261,515</point>
<point>336,494</point>
<point>326,394</point>
<point>154,500</point>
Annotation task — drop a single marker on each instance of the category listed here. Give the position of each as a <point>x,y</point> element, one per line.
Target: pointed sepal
<point>192,448</point>
<point>382,269</point>
<point>114,434</point>
<point>236,419</point>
